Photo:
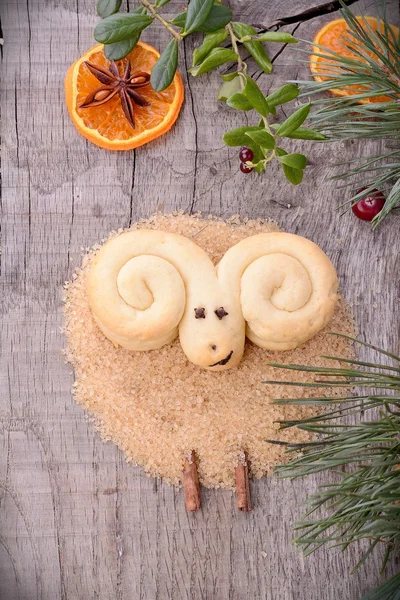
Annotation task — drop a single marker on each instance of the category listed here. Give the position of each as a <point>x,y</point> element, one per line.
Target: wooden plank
<point>75,520</point>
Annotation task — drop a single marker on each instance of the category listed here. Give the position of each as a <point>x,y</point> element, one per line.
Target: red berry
<point>246,154</point>
<point>244,168</point>
<point>367,208</point>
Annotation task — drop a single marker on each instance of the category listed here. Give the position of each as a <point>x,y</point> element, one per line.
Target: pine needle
<point>363,501</point>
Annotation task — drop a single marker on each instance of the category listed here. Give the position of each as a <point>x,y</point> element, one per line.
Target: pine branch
<point>363,502</point>
<point>387,591</point>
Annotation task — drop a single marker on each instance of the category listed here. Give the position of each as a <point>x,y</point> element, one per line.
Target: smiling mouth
<point>223,361</point>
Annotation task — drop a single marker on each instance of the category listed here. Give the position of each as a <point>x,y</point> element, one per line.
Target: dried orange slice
<point>106,125</point>
<point>334,36</point>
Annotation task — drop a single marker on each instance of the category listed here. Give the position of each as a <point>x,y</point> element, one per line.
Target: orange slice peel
<point>335,37</point>
<point>106,125</point>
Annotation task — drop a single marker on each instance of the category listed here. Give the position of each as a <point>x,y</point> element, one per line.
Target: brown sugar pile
<point>157,407</point>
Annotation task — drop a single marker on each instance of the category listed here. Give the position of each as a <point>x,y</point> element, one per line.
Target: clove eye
<point>199,313</point>
<point>221,312</point>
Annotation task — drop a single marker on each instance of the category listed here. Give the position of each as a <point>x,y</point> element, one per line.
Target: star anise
<point>113,83</point>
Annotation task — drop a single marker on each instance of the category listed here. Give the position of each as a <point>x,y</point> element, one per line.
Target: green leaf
<point>160,3</point>
<point>179,19</point>
<point>239,101</point>
<point>262,138</point>
<point>294,121</point>
<point>297,161</point>
<point>216,58</point>
<point>229,88</point>
<point>164,70</point>
<point>256,49</point>
<point>306,134</point>
<point>295,176</point>
<point>120,27</point>
<point>277,36</point>
<point>196,14</point>
<point>120,49</point>
<point>259,154</point>
<point>284,94</point>
<point>280,151</point>
<point>256,97</point>
<point>229,76</point>
<point>219,16</point>
<point>260,166</point>
<point>105,8</point>
<point>217,19</point>
<point>238,137</point>
<point>211,40</point>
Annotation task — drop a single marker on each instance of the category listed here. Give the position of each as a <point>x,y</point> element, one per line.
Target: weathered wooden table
<point>77,522</point>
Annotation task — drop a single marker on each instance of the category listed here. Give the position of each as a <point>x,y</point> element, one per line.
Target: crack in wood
<point>132,188</point>
<point>77,24</point>
<point>279,52</point>
<point>2,40</point>
<point>71,225</point>
<point>8,431</point>
<point>258,73</point>
<point>16,120</point>
<point>29,40</point>
<point>118,534</point>
<point>14,566</point>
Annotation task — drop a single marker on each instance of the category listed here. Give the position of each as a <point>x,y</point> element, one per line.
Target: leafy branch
<point>120,32</point>
<point>368,78</point>
<point>263,139</point>
<point>364,502</point>
<point>152,10</point>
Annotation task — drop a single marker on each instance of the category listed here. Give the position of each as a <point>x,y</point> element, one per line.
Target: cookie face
<point>208,340</point>
<point>146,287</point>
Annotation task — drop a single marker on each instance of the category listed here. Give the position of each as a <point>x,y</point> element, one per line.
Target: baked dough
<point>145,287</point>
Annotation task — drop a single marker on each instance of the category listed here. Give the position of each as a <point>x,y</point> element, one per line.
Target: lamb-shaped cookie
<point>146,287</point>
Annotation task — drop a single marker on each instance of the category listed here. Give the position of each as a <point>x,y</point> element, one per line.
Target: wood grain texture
<point>77,522</point>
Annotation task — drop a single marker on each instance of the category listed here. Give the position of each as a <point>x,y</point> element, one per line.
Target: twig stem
<point>157,16</point>
<point>234,42</point>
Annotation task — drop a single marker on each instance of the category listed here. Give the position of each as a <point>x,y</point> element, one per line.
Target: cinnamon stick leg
<point>243,485</point>
<point>191,484</point>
